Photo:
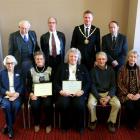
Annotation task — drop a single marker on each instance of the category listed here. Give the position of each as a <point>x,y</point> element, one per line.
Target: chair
<point>23,115</point>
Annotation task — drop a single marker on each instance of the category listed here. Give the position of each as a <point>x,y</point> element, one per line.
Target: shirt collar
<point>24,35</point>
<point>87,26</point>
<point>52,32</point>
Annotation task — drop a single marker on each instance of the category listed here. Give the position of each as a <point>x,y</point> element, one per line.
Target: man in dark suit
<point>115,45</point>
<point>22,45</point>
<point>53,45</point>
<point>86,38</point>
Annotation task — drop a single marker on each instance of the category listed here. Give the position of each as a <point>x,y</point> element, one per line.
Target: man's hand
<point>115,63</point>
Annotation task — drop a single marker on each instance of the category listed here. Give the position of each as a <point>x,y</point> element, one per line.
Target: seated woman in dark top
<point>11,89</point>
<point>129,89</point>
<point>40,73</point>
<point>72,104</point>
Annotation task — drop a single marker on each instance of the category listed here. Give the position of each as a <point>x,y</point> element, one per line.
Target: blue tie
<point>25,38</point>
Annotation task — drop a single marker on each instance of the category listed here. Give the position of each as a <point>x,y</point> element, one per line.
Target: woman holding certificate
<point>71,99</point>
<point>38,75</point>
<point>11,89</point>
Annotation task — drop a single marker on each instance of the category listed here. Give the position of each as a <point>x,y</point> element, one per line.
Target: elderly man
<point>53,45</point>
<point>103,91</point>
<point>22,45</point>
<point>86,38</point>
<point>115,45</point>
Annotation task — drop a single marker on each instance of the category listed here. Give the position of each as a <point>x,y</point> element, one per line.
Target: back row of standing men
<point>86,37</point>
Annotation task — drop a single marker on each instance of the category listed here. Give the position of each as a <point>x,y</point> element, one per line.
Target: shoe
<point>92,125</point>
<point>48,129</point>
<point>37,128</point>
<point>11,133</point>
<point>5,130</point>
<point>132,127</point>
<point>111,127</point>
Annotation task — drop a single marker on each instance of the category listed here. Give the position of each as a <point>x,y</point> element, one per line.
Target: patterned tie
<point>53,46</point>
<point>25,38</point>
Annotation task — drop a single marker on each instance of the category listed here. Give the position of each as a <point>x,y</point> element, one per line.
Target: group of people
<point>105,77</point>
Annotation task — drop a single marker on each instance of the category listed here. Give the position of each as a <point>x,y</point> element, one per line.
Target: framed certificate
<point>72,86</point>
<point>43,89</point>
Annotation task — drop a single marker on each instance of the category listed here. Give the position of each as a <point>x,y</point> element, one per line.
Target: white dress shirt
<point>89,27</point>
<point>11,82</point>
<point>57,42</point>
<point>27,36</point>
<point>72,72</point>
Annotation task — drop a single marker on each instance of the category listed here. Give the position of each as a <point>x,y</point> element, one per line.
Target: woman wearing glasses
<point>11,89</point>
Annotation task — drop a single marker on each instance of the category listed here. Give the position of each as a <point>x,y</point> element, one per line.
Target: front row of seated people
<point>72,105</point>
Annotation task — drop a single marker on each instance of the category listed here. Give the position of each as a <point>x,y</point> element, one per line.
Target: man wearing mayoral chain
<point>86,38</point>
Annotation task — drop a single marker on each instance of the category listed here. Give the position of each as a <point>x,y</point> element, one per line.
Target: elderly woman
<point>72,104</point>
<point>129,89</point>
<point>40,73</point>
<point>11,87</point>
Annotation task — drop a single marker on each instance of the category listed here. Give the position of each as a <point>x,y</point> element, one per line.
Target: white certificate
<point>72,86</point>
<point>43,89</point>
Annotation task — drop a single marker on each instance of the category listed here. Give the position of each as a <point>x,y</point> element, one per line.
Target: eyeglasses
<point>10,63</point>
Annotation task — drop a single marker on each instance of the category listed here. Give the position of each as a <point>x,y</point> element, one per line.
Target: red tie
<point>53,46</point>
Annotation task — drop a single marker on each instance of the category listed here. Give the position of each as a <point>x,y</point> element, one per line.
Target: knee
<point>6,106</point>
<point>91,105</point>
<point>116,105</point>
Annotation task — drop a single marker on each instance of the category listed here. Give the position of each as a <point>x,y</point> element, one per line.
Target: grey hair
<point>101,53</point>
<point>132,52</point>
<point>73,50</point>
<point>24,22</point>
<point>10,57</point>
<point>52,18</point>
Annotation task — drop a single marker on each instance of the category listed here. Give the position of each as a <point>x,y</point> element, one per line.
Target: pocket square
<point>17,74</point>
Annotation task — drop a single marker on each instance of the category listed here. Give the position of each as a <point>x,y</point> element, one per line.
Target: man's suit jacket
<point>15,44</point>
<point>44,41</point>
<point>63,74</point>
<point>115,52</point>
<point>4,82</point>
<point>89,50</point>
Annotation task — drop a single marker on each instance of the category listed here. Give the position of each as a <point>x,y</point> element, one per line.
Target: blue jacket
<point>4,82</point>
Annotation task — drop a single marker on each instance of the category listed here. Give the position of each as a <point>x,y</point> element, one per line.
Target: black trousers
<point>133,113</point>
<point>72,110</point>
<point>47,109</point>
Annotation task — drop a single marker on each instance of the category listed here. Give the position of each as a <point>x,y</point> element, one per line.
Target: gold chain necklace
<point>86,41</point>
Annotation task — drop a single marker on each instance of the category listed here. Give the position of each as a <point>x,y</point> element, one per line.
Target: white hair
<point>101,53</point>
<point>73,50</point>
<point>10,57</point>
<point>24,22</point>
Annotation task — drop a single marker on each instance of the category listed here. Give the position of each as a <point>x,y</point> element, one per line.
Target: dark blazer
<point>118,51</point>
<point>44,41</point>
<point>63,74</point>
<point>89,50</point>
<point>4,82</point>
<point>15,44</point>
